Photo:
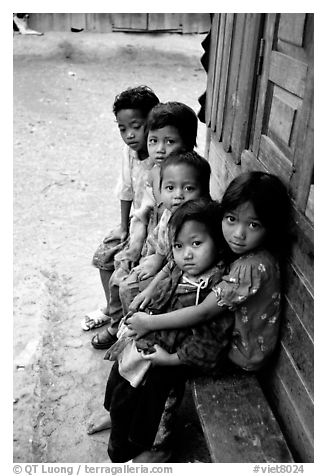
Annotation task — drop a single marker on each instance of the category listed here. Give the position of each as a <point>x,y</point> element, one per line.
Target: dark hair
<point>192,159</point>
<point>140,97</point>
<point>178,115</point>
<point>202,210</point>
<point>270,200</point>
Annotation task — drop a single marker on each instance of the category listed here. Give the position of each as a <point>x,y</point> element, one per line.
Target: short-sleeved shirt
<point>252,291</point>
<point>134,173</point>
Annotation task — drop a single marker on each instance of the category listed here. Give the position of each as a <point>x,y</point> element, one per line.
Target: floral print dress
<point>252,291</point>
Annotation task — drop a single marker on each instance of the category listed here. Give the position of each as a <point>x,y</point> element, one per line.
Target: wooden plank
<point>298,437</point>
<point>301,297</point>
<point>288,73</point>
<point>233,78</point>
<point>223,168</point>
<point>61,21</point>
<point>218,70</point>
<point>246,89</point>
<point>283,111</point>
<point>301,398</point>
<point>250,162</point>
<point>224,73</point>
<point>310,204</point>
<point>293,332</point>
<point>195,22</point>
<point>164,21</point>
<point>276,162</point>
<point>291,28</point>
<point>268,37</point>
<point>238,424</point>
<point>212,67</point>
<point>41,21</point>
<point>78,20</point>
<point>302,252</point>
<point>304,149</point>
<point>129,21</point>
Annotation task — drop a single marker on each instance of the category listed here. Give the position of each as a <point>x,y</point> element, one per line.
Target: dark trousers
<point>136,412</point>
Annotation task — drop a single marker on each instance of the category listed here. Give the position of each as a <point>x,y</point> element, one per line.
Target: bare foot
<point>103,423</point>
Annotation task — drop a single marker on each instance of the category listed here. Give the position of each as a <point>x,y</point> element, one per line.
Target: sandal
<point>94,319</point>
<point>103,340</point>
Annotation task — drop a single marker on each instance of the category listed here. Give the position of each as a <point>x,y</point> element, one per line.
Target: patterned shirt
<point>252,291</point>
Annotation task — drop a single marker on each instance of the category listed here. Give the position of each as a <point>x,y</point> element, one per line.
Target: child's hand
<point>133,255</point>
<point>158,357</point>
<point>117,234</point>
<point>137,323</point>
<point>140,301</point>
<point>144,270</point>
<point>149,267</point>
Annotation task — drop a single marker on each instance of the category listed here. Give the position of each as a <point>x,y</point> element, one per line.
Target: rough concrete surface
<point>67,153</point>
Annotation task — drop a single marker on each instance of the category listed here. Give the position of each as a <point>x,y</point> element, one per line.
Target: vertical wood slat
<point>212,67</point>
<point>164,21</point>
<point>127,21</point>
<point>218,70</point>
<point>224,73</point>
<point>269,35</point>
<point>78,20</point>
<point>41,21</point>
<point>233,77</point>
<point>61,21</point>
<point>303,153</point>
<point>98,22</point>
<point>245,89</point>
<point>195,22</point>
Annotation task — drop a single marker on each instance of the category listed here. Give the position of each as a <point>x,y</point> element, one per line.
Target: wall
<point>259,116</point>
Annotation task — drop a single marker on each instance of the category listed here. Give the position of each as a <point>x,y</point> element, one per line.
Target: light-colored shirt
<point>133,176</point>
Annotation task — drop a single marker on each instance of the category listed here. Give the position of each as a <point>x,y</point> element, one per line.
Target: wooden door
<point>283,131</point>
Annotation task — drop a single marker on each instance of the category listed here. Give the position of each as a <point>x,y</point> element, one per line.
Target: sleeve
<point>147,203</point>
<point>124,188</point>
<point>243,281</point>
<point>208,344</point>
<point>163,245</point>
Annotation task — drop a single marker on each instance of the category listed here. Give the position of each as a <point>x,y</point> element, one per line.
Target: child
<point>183,177</point>
<point>136,408</point>
<point>172,128</point>
<point>255,210</point>
<point>131,108</point>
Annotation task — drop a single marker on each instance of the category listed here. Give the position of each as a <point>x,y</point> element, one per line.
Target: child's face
<point>163,142</point>
<point>194,250</point>
<point>179,184</point>
<point>242,229</point>
<point>131,124</point>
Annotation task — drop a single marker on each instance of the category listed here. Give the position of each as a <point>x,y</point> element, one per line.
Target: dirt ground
<point>67,152</point>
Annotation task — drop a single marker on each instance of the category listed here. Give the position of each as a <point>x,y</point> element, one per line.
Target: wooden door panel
<point>289,73</point>
<point>285,103</point>
<point>291,28</point>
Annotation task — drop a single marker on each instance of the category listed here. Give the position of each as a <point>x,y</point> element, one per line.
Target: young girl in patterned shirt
<point>136,391</point>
